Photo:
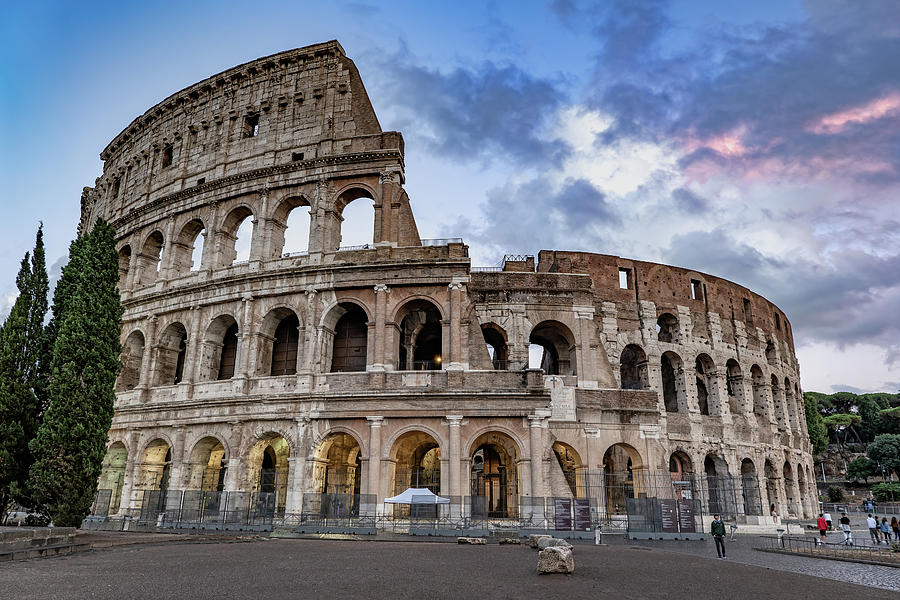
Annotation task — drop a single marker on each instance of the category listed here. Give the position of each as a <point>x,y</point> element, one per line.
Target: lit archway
<point>623,477</point>
<point>420,344</point>
<point>572,471</point>
<point>494,476</point>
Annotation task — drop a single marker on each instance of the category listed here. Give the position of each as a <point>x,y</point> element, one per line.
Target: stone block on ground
<point>556,559</point>
<point>471,540</point>
<point>552,541</point>
<point>509,540</point>
<point>533,539</point>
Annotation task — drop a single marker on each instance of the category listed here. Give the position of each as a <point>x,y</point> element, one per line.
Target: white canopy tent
<point>417,496</point>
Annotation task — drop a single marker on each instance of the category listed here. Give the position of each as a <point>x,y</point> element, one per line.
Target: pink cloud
<point>874,109</point>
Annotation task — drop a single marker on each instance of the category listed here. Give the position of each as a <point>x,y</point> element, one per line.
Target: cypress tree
<point>71,441</point>
<point>21,339</point>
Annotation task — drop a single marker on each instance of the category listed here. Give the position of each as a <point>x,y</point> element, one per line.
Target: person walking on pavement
<point>717,529</point>
<point>845,527</point>
<point>872,524</point>
<point>828,520</point>
<point>885,530</point>
<point>895,525</point>
<point>822,524</point>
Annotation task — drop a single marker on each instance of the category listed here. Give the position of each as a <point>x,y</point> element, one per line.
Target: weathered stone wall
<point>296,130</point>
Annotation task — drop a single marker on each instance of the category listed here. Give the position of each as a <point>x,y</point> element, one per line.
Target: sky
<point>755,141</point>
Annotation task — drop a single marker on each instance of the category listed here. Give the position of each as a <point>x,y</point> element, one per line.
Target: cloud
<point>484,113</point>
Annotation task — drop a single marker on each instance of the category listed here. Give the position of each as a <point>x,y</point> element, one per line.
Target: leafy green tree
<point>818,432</point>
<point>886,492</point>
<point>21,338</point>
<point>71,441</point>
<point>842,422</point>
<point>885,451</point>
<point>861,468</point>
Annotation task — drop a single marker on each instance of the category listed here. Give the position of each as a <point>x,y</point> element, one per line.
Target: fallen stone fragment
<point>552,541</point>
<point>510,541</point>
<point>556,559</point>
<point>471,540</point>
<point>533,539</point>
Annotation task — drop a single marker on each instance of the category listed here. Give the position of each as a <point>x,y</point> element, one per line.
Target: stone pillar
<point>208,258</point>
<point>375,423</point>
<point>381,300</point>
<point>192,358</point>
<point>168,253</point>
<point>296,483</point>
<point>585,363</point>
<point>455,359</point>
<point>144,381</point>
<point>454,449</point>
<point>232,475</point>
<point>260,231</point>
<point>126,503</point>
<point>536,455</point>
<point>133,263</point>
<point>244,368</point>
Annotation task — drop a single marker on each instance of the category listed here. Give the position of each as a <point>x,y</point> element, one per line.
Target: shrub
<point>835,494</point>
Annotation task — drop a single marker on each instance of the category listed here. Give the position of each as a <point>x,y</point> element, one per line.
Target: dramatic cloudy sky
<point>759,141</point>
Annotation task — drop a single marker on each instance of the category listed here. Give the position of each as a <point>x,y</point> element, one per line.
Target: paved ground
<point>343,569</point>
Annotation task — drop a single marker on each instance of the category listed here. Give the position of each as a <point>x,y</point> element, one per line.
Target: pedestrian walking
<point>773,512</point>
<point>717,529</point>
<point>885,530</point>
<point>822,524</point>
<point>828,520</point>
<point>872,524</point>
<point>895,525</point>
<point>845,528</point>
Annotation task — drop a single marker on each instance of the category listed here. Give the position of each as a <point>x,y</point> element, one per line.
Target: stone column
<point>381,300</point>
<point>245,351</point>
<point>585,364</point>
<point>193,357</point>
<point>146,374</point>
<point>375,423</point>
<point>536,455</point>
<point>455,360</point>
<point>296,483</point>
<point>232,475</point>
<point>168,253</point>
<point>260,231</point>
<point>454,449</point>
<point>127,500</point>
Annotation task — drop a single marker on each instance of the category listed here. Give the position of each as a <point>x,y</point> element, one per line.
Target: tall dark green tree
<point>818,432</point>
<point>21,339</point>
<point>71,441</point>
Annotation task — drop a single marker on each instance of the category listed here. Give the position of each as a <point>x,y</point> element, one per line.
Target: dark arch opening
<point>284,347</point>
<point>350,340</point>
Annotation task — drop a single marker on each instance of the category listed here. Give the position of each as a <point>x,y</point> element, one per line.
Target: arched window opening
<point>672,375</point>
<point>151,258</point>
<point>778,401</point>
<point>124,265</point>
<point>229,353</point>
<point>284,347</point>
<point>717,484</point>
<point>420,337</point>
<point>416,464</point>
<point>760,403</point>
<point>750,488</point>
<point>171,355</point>
<point>197,250</point>
<point>234,237</point>
<point>112,478</point>
<point>633,368</point>
<point>207,467</point>
<point>242,241</point>
<point>268,473</point>
<point>558,348</point>
<point>132,359</point>
<point>296,236</point>
<point>770,352</point>
<point>357,219</point>
<point>337,475</point>
<point>667,328</point>
<point>680,467</point>
<point>734,381</point>
<point>570,464</point>
<point>493,481</point>
<point>187,250</point>
<point>495,340</point>
<point>156,463</point>
<point>350,340</point>
<point>620,463</point>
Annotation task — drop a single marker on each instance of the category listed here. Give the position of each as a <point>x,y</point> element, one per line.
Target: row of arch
<point>292,227</point>
<point>634,373</point>
<point>668,330</point>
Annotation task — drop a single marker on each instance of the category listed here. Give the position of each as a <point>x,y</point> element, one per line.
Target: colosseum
<point>315,379</point>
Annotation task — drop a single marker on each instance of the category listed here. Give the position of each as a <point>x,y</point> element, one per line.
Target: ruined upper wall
<point>669,287</point>
<point>294,106</point>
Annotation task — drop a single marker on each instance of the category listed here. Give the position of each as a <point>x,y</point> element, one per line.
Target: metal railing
<point>441,241</point>
<point>815,548</point>
<point>293,254</point>
<point>358,247</point>
<point>486,270</point>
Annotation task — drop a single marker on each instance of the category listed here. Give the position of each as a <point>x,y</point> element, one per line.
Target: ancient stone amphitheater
<point>265,371</point>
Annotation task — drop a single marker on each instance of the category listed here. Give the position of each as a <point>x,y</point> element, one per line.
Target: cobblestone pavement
<point>345,569</point>
<point>741,551</point>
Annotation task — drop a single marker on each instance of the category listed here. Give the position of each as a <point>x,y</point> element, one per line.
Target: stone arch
<point>124,265</point>
<point>228,235</point>
<point>750,491</point>
<point>132,361</point>
<point>337,468</point>
<point>778,401</point>
<point>623,470</point>
<point>734,382</point>
<point>558,347</point>
<point>150,258</point>
<point>171,353</point>
<point>345,339</point>
<point>494,474</point>
<point>184,247</point>
<point>356,225</point>
<point>718,485</point>
<point>279,343</point>
<point>291,227</point>
<point>496,341</point>
<point>705,373</point>
<point>760,399</point>
<point>667,328</point>
<point>633,370</point>
<point>269,470</point>
<point>680,465</point>
<point>673,387</point>
<point>415,461</point>
<point>156,464</point>
<point>207,465</point>
<point>790,403</point>
<point>571,468</point>
<point>112,474</point>
<point>420,344</point>
<point>219,349</point>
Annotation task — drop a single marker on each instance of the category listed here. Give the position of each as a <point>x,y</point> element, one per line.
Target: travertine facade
<point>368,369</point>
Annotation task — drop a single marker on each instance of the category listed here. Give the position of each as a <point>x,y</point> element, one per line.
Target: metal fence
<point>813,547</point>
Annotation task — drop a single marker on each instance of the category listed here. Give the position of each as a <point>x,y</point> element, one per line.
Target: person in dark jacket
<point>717,529</point>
